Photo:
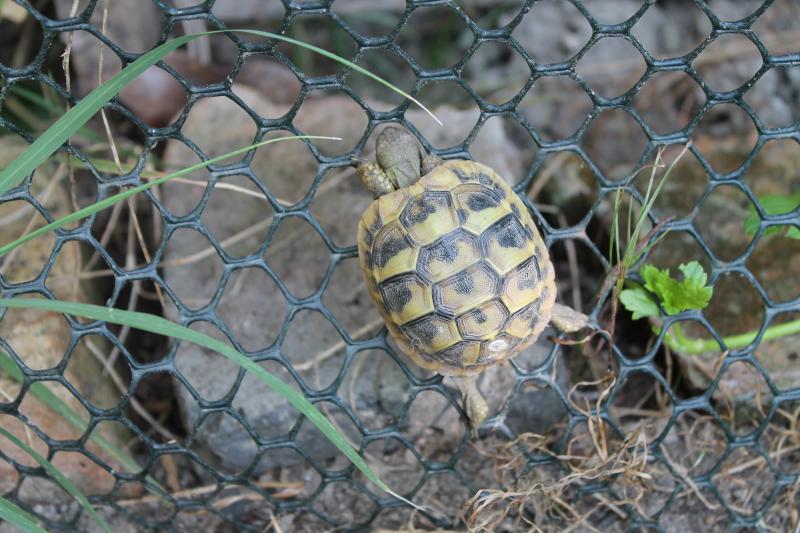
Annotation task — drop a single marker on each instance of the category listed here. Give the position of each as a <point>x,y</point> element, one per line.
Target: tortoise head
<point>399,162</point>
<point>399,156</point>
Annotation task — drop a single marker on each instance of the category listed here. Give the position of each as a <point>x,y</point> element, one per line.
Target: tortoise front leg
<point>374,178</point>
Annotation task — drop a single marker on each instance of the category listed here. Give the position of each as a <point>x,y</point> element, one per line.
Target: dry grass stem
<point>106,125</point>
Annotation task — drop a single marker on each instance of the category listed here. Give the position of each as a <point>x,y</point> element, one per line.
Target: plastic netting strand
<point>241,498</point>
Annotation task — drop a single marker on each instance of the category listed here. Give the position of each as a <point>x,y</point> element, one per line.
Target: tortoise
<point>454,264</point>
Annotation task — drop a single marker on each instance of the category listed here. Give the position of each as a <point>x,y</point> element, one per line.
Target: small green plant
<point>674,296</point>
<point>636,246</point>
<point>661,289</point>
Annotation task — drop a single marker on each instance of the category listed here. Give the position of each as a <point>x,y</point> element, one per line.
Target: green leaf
<point>694,276</point>
<point>46,396</point>
<point>19,517</point>
<point>57,134</point>
<point>161,326</point>
<point>115,199</point>
<point>639,302</point>
<point>659,283</point>
<point>675,296</point>
<point>56,474</point>
<point>773,204</point>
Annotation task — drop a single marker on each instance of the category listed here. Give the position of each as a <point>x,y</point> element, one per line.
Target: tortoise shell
<point>457,269</point>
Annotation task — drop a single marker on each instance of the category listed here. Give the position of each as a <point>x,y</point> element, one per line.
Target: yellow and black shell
<point>457,269</point>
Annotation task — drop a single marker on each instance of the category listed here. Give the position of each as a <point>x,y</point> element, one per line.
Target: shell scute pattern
<point>448,255</point>
<point>407,297</point>
<point>432,333</point>
<point>498,349</point>
<point>393,253</point>
<point>483,322</point>
<point>466,289</point>
<point>490,208</point>
<point>428,216</point>
<point>522,285</point>
<point>519,324</point>
<point>507,244</point>
<point>462,354</point>
<point>457,268</point>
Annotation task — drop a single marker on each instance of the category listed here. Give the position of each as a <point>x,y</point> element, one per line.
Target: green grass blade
<point>57,134</point>
<point>43,394</point>
<point>111,200</point>
<point>19,517</point>
<point>162,326</point>
<point>56,474</point>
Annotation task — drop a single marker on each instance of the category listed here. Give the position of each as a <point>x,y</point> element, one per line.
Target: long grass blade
<point>46,396</point>
<point>19,517</point>
<point>161,326</point>
<point>56,474</point>
<point>111,200</point>
<point>57,134</point>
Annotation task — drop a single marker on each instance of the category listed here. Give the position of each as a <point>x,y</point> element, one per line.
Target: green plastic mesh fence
<point>569,100</point>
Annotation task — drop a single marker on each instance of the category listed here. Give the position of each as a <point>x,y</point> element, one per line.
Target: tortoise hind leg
<point>567,319</point>
<point>473,401</point>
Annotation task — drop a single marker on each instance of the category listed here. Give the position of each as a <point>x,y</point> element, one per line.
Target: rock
<point>155,96</point>
<point>254,309</point>
<point>41,339</point>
